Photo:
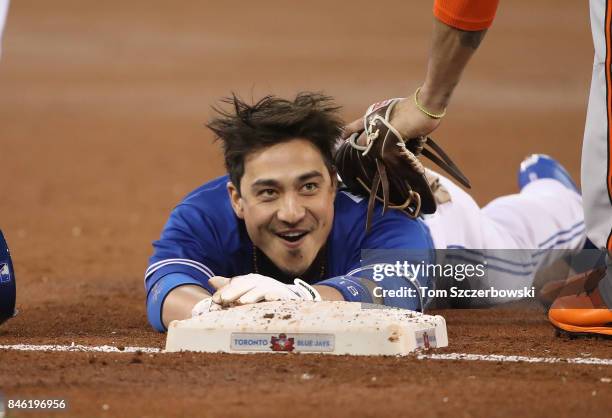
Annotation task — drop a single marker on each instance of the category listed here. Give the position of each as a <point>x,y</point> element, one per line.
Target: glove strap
<point>306,291</point>
<point>422,109</point>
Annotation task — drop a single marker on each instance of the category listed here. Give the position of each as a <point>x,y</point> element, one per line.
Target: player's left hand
<point>253,288</point>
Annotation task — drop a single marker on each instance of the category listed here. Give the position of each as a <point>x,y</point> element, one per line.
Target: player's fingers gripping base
<point>253,288</point>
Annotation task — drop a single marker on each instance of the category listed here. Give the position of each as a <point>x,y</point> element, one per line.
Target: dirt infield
<point>102,106</point>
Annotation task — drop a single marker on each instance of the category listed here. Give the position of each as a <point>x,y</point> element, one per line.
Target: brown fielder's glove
<point>388,169</point>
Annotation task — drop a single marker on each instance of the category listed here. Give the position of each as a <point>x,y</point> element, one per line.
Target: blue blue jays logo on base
<point>5,273</point>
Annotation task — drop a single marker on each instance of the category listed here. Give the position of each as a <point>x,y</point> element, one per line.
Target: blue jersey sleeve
<point>187,245</point>
<point>185,254</point>
<point>394,239</point>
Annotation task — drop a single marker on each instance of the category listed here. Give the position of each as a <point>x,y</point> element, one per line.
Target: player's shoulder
<point>211,198</point>
<point>348,204</point>
<point>204,232</point>
<point>209,204</point>
<point>392,230</point>
<point>352,209</point>
<point>214,189</point>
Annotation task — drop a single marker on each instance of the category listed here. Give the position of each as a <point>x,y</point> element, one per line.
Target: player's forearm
<point>451,50</point>
<point>328,293</point>
<point>180,301</point>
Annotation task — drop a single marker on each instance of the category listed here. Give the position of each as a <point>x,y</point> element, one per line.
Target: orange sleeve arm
<point>470,15</point>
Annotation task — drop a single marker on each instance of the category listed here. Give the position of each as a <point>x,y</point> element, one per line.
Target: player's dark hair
<point>248,128</point>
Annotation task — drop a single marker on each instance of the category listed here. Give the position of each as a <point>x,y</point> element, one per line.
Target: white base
<point>309,327</point>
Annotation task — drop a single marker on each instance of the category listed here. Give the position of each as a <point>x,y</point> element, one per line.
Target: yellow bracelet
<point>422,109</point>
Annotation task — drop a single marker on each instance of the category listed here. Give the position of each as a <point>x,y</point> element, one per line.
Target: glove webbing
<point>412,205</point>
<point>444,162</point>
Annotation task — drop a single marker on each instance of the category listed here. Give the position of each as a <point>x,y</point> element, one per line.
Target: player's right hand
<point>253,288</point>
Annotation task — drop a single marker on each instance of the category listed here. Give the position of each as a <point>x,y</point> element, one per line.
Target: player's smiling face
<point>287,203</point>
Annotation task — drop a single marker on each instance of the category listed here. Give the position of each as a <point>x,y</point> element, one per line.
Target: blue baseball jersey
<point>203,238</point>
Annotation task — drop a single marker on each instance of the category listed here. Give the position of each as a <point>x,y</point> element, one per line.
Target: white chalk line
<point>422,356</point>
<point>81,348</point>
<point>516,359</point>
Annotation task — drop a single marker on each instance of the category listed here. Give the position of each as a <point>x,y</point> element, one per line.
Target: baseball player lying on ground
<point>279,227</point>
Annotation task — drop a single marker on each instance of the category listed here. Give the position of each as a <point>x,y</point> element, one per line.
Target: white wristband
<point>305,291</point>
